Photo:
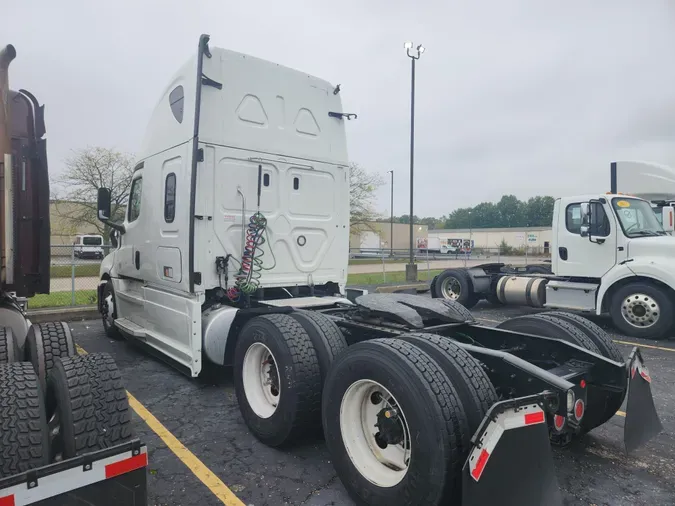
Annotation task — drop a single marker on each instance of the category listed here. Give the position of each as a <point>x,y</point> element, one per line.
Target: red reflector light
<point>582,384</point>
<point>558,422</point>
<point>7,500</point>
<point>532,418</point>
<point>125,466</point>
<point>579,409</point>
<point>480,464</point>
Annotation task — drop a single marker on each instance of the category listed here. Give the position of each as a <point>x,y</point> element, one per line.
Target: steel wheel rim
<point>450,288</point>
<point>260,375</point>
<point>384,467</point>
<point>108,310</point>
<point>640,310</point>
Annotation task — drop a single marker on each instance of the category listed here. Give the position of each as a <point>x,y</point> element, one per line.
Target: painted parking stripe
<point>198,468</point>
<point>629,343</point>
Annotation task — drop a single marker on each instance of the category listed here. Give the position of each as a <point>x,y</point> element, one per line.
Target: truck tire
<point>278,409</point>
<point>594,332</point>
<point>325,335</point>
<point>404,380</point>
<point>601,406</point>
<point>642,309</point>
<point>456,285</point>
<point>9,348</point>
<point>459,310</point>
<point>24,435</point>
<point>91,409</point>
<point>474,388</point>
<point>45,343</point>
<point>432,288</point>
<point>549,326</point>
<point>109,312</point>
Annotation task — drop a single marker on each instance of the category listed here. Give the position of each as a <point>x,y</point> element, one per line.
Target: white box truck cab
<point>234,250</point>
<point>610,254</point>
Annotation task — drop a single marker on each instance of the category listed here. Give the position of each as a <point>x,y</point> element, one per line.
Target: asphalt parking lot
<point>203,415</point>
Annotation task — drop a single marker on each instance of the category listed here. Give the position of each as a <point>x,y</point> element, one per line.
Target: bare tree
<point>362,187</point>
<point>87,170</point>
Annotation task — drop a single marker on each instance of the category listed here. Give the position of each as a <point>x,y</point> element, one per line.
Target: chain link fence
<point>75,269</point>
<point>74,273</point>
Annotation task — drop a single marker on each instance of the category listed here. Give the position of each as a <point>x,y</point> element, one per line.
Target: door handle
<point>137,260</point>
<point>562,253</point>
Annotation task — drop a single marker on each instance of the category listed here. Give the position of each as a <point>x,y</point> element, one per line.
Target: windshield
<point>637,217</point>
<point>92,241</point>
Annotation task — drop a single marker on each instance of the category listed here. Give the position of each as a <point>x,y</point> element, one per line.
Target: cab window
<point>599,226</point>
<point>135,198</point>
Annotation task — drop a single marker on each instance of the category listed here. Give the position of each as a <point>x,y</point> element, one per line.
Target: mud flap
<point>642,421</point>
<point>511,463</point>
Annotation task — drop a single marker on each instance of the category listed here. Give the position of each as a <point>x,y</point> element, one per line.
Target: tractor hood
<point>662,246</point>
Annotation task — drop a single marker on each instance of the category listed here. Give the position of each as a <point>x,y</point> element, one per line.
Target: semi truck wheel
<point>325,335</point>
<point>475,390</point>
<point>9,348</point>
<point>601,405</point>
<point>549,326</point>
<point>393,425</point>
<point>642,310</point>
<point>456,285</point>
<point>109,312</point>
<point>594,332</point>
<point>432,288</point>
<point>277,379</point>
<point>91,410</point>
<point>24,436</point>
<point>45,343</point>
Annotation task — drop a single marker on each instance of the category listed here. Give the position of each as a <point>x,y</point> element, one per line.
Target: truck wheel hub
<point>375,433</point>
<point>260,376</point>
<point>451,289</point>
<point>640,310</point>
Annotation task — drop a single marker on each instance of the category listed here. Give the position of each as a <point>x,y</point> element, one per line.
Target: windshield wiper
<point>647,233</point>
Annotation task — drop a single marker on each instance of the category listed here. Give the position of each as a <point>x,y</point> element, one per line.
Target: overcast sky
<point>523,97</point>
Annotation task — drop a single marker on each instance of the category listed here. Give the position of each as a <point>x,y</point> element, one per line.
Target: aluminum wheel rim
<point>451,289</point>
<point>384,467</point>
<point>260,376</point>
<point>640,310</point>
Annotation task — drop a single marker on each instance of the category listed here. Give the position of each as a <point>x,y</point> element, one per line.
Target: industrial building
<point>377,235</point>
<point>536,239</point>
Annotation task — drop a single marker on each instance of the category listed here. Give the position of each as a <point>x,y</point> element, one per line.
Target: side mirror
<point>585,228</point>
<point>103,204</point>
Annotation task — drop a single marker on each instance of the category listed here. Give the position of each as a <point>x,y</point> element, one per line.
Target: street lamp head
<point>421,49</point>
<point>408,45</point>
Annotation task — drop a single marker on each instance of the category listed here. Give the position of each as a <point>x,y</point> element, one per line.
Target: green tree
<point>362,187</point>
<point>540,211</point>
<point>511,212</point>
<point>87,170</point>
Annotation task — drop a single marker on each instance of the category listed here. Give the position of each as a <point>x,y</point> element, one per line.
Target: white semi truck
<point>234,250</point>
<point>649,181</point>
<point>610,255</point>
<point>65,423</point>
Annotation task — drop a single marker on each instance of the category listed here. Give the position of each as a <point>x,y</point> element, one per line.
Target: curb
<point>63,314</point>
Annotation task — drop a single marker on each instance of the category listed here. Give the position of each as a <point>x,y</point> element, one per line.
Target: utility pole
<point>391,221</point>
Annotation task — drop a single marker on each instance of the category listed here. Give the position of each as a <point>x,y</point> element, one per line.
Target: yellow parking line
<point>629,343</point>
<point>621,413</point>
<point>205,475</point>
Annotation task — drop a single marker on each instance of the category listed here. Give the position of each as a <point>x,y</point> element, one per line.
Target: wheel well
<point>633,279</point>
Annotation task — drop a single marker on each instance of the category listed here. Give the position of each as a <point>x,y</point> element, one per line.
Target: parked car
<point>89,246</point>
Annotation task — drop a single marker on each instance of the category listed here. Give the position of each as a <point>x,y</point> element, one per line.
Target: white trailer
<point>609,255</point>
<point>234,249</point>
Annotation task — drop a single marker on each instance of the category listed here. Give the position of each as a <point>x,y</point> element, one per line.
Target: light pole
<point>391,221</point>
<point>414,55</point>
